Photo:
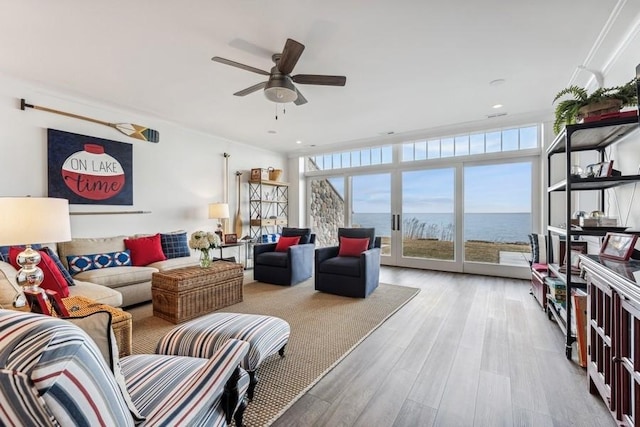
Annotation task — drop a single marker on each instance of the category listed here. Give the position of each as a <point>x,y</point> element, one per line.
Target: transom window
<point>353,158</point>
<point>523,138</point>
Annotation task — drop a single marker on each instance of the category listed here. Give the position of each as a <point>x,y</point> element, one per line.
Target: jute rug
<point>324,329</point>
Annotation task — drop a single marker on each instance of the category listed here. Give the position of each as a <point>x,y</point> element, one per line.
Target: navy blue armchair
<point>285,268</point>
<point>350,276</point>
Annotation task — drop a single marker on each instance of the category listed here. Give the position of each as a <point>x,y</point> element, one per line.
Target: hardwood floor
<point>466,351</point>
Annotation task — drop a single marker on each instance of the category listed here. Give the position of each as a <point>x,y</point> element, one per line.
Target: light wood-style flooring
<point>466,351</point>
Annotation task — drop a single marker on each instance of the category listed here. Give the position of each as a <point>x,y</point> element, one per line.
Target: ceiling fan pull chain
<point>276,111</point>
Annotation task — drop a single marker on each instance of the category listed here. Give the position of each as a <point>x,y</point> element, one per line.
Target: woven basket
<point>275,174</point>
<point>599,108</point>
<point>186,293</point>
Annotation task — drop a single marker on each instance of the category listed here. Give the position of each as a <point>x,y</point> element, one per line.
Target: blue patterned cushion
<point>65,273</point>
<point>538,248</point>
<point>174,245</point>
<point>78,263</point>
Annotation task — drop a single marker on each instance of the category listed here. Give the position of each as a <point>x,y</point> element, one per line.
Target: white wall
<point>175,179</point>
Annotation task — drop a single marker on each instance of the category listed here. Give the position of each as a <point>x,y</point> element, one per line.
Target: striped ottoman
<point>201,337</point>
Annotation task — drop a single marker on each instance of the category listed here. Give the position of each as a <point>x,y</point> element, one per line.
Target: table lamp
<point>219,211</point>
<point>27,220</point>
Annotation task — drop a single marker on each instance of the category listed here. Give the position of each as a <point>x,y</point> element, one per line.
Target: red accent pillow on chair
<point>350,246</point>
<point>284,243</point>
<point>53,279</point>
<point>145,250</point>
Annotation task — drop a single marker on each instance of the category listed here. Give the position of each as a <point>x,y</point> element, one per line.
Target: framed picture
<point>574,261</point>
<point>230,238</point>
<point>89,171</point>
<point>606,169</point>
<point>578,246</point>
<point>618,246</point>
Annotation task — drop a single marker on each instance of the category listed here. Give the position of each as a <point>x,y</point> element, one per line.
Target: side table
<point>120,320</point>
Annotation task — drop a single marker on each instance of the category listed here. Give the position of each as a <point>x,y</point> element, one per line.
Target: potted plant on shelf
<point>601,101</point>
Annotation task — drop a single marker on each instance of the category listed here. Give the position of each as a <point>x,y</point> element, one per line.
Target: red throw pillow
<point>284,243</point>
<point>53,279</point>
<point>350,246</point>
<point>145,250</point>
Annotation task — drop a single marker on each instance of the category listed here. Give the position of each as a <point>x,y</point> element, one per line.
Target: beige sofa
<point>9,289</point>
<point>116,286</point>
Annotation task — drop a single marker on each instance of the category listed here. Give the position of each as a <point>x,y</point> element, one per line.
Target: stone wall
<point>326,211</point>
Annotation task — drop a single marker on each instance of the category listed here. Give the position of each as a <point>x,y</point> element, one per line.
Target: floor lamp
<point>28,220</point>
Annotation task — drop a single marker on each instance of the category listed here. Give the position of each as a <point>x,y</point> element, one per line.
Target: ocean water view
<point>490,227</point>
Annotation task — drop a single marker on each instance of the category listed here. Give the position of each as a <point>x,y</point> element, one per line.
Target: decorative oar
<point>238,220</point>
<point>129,129</point>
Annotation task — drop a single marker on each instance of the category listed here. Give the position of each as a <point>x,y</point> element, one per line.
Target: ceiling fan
<point>279,87</point>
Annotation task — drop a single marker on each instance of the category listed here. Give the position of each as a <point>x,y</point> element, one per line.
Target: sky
<point>488,189</point>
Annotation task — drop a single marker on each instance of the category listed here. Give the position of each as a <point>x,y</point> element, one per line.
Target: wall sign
<point>89,170</point>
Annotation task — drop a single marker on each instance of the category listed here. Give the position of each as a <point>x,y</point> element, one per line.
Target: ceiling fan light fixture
<point>280,90</point>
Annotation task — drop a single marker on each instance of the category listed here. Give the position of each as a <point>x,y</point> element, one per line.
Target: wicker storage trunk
<point>186,293</point>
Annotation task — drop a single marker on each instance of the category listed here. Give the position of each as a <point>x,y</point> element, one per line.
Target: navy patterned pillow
<point>538,248</point>
<point>175,245</point>
<point>65,273</point>
<point>79,263</point>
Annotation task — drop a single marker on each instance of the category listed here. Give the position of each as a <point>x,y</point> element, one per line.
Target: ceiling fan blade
<point>239,65</point>
<point>290,55</point>
<point>314,79</point>
<point>251,89</point>
<point>300,100</point>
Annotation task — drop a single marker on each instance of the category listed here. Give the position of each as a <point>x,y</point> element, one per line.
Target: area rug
<point>324,329</point>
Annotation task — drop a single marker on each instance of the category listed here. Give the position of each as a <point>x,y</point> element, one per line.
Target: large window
<point>497,212</point>
<point>462,203</point>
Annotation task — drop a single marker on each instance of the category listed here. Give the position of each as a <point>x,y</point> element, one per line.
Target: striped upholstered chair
<point>52,373</point>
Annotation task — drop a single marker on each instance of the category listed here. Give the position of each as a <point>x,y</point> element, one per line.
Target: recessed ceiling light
<point>498,106</point>
<point>497,82</point>
<point>271,131</point>
<point>298,142</point>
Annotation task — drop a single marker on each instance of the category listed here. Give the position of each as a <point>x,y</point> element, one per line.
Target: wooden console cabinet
<point>613,314</point>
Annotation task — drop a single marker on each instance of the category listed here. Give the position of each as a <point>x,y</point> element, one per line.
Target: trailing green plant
<point>567,111</point>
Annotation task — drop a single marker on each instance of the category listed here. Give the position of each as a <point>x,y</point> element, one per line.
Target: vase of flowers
<point>203,241</point>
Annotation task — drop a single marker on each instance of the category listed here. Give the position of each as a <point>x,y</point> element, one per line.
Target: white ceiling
<point>410,65</point>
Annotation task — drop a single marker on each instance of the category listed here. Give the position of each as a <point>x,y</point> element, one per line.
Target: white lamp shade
<point>218,210</point>
<point>27,220</point>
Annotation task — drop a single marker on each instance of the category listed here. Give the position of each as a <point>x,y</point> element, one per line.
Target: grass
<point>479,251</point>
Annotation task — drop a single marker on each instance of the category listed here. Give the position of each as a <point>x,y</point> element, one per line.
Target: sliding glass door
<point>465,217</point>
<point>427,206</point>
